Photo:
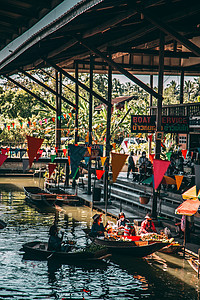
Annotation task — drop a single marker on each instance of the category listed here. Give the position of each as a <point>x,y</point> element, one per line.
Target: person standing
<point>131,164</point>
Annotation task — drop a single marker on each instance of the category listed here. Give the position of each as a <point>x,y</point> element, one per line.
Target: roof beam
<point>170,31</point>
<point>173,54</point>
<point>30,92</point>
<point>82,85</point>
<point>121,69</point>
<point>47,87</point>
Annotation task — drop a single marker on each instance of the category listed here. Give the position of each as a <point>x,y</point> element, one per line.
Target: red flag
<point>99,173</point>
<point>39,154</point>
<point>151,157</point>
<point>51,168</point>
<point>13,124</point>
<point>150,137</point>
<point>65,152</point>
<point>2,159</point>
<point>3,151</point>
<point>69,160</point>
<point>53,119</point>
<point>56,148</point>
<point>184,153</point>
<point>8,127</point>
<point>192,154</point>
<point>34,145</point>
<point>159,169</point>
<point>126,143</point>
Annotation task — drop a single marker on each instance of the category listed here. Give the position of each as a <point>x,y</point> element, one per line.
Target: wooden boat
<point>194,263</point>
<point>67,199</point>
<point>171,249</point>
<point>39,196</point>
<point>38,250</point>
<point>133,248</point>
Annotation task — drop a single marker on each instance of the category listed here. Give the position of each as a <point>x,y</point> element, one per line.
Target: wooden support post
<point>198,262</point>
<point>108,138</point>
<point>58,110</point>
<point>182,87</point>
<point>77,100</point>
<point>159,112</point>
<point>90,122</point>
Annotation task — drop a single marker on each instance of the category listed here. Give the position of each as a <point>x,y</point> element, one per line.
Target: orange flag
<point>114,145</point>
<point>179,179</point>
<point>51,168</point>
<point>103,159</point>
<point>151,157</point>
<point>89,150</point>
<point>117,161</point>
<point>34,145</point>
<point>99,173</point>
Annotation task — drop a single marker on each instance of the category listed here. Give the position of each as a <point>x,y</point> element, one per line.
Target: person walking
<point>131,164</point>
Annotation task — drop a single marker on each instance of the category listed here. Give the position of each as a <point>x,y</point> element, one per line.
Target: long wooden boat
<point>38,250</point>
<point>39,195</point>
<point>133,248</point>
<point>193,262</point>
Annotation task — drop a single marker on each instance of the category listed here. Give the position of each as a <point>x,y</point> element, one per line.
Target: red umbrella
<point>188,207</point>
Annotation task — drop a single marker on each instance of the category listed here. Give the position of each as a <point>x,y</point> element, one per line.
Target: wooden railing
<point>187,109</point>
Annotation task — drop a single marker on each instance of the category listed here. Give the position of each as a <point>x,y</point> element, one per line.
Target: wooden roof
<point>127,29</point>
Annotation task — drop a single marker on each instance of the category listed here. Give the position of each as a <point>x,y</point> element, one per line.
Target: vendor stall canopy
<point>34,31</point>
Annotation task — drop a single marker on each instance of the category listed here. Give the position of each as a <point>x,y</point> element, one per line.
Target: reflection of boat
<point>133,248</point>
<point>2,224</point>
<point>38,250</point>
<point>38,195</point>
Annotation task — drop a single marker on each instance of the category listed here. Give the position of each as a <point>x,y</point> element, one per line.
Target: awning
<point>188,207</point>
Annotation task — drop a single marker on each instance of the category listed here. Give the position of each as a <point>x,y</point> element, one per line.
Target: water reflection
<point>159,277</point>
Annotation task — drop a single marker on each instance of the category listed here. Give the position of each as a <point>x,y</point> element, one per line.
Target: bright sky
<point>146,79</point>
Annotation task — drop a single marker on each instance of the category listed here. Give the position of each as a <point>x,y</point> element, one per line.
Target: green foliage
<point>18,106</point>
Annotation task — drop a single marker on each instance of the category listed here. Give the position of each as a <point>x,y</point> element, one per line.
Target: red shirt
<point>147,227</point>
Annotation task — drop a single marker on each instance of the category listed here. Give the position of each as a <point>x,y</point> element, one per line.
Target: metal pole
<point>77,100</point>
<point>181,87</point>
<point>90,121</point>
<point>58,108</point>
<point>108,138</point>
<point>150,104</point>
<point>159,113</point>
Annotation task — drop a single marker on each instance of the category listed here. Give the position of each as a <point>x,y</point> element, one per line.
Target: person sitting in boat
<point>97,227</point>
<point>147,225</point>
<point>54,243</point>
<point>122,221</point>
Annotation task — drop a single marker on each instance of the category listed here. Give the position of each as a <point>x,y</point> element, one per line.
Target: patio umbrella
<point>191,193</point>
<point>188,207</point>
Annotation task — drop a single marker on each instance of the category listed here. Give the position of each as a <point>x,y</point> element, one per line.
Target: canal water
<point>158,277</point>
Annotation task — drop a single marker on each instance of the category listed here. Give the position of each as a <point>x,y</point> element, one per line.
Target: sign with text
<point>143,123</point>
<point>194,122</point>
<point>171,124</point>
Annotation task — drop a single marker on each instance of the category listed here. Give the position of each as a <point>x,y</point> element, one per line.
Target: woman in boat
<point>122,221</point>
<point>97,227</point>
<point>54,243</point>
<point>147,225</point>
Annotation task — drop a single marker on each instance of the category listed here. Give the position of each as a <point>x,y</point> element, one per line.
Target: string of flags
<point>41,122</point>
